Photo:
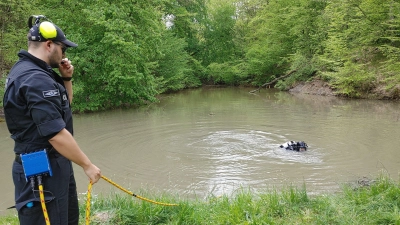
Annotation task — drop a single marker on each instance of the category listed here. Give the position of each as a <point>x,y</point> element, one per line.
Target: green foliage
<point>13,30</point>
<point>116,54</point>
<point>198,73</point>
<point>374,202</point>
<point>362,47</point>
<point>304,68</point>
<point>189,19</point>
<point>228,73</point>
<point>127,55</point>
<point>379,200</point>
<point>353,80</point>
<point>280,30</point>
<point>218,45</point>
<point>264,61</point>
<point>172,72</point>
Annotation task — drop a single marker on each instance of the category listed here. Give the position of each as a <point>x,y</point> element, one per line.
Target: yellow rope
<point>46,216</point>
<point>88,203</point>
<point>121,188</point>
<point>137,196</point>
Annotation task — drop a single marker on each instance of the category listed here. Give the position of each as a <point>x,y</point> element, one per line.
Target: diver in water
<point>299,146</point>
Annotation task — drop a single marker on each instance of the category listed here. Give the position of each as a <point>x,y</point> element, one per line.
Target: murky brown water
<point>215,140</point>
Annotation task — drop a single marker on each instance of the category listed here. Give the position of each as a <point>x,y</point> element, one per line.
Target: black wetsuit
<point>295,146</point>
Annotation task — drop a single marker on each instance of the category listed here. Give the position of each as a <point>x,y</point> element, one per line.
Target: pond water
<point>212,141</point>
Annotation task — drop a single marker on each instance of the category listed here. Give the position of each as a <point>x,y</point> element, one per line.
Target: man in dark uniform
<point>38,115</point>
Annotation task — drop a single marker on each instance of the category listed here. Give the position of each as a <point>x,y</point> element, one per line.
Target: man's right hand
<point>93,172</point>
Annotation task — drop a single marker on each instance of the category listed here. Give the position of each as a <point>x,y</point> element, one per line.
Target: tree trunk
<point>274,81</point>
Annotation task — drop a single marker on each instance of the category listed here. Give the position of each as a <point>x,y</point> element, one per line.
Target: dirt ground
<point>318,87</point>
<point>315,87</point>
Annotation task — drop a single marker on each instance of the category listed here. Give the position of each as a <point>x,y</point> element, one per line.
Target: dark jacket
<point>36,105</point>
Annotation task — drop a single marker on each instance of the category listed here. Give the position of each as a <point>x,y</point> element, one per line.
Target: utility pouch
<point>36,163</point>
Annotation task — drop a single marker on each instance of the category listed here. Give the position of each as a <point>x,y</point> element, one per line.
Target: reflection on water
<point>212,141</point>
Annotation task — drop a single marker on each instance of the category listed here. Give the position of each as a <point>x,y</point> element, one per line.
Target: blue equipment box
<point>36,163</point>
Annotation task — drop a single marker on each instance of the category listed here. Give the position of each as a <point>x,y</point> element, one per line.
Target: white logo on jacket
<point>51,93</point>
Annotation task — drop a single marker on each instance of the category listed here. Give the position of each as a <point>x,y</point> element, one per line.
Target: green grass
<point>377,202</point>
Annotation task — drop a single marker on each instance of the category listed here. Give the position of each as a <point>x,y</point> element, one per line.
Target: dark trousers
<point>59,190</point>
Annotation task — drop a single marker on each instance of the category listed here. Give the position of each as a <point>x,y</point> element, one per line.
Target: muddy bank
<point>319,87</point>
<point>315,87</point>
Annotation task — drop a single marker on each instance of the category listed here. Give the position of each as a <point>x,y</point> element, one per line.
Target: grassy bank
<point>371,203</point>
